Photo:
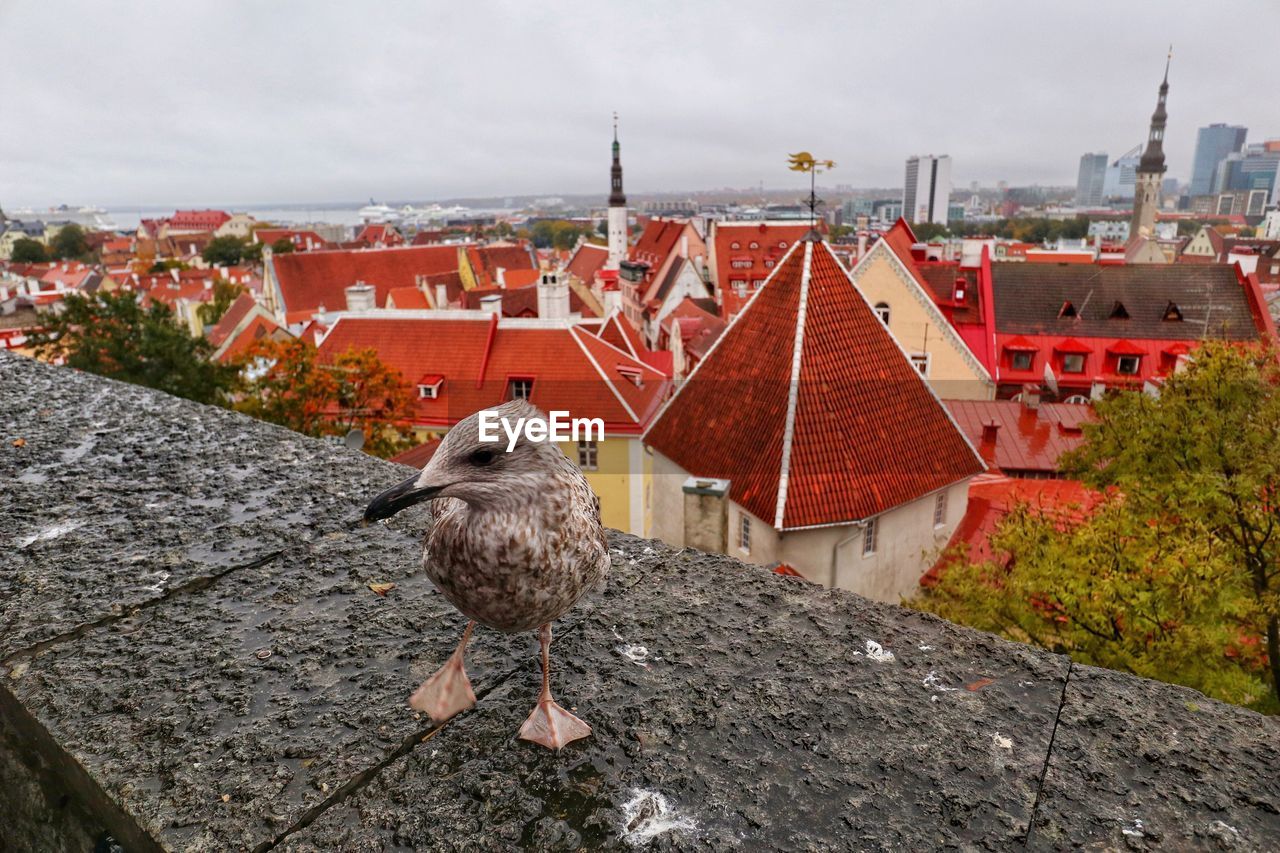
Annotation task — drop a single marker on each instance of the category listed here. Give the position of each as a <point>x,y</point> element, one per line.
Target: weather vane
<point>805,162</point>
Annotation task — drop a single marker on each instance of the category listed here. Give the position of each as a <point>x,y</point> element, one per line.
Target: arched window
<point>882,311</point>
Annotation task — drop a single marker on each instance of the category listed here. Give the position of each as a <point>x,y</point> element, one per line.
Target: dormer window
<point>1172,313</point>
<point>1068,310</point>
<point>1127,365</point>
<point>632,375</point>
<point>735,245</point>
<point>782,244</point>
<point>519,387</point>
<point>957,295</point>
<point>753,245</point>
<point>882,311</point>
<point>1118,311</point>
<point>428,392</point>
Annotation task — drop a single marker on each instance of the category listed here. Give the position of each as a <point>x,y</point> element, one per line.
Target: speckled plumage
<point>515,540</point>
<point>514,568</point>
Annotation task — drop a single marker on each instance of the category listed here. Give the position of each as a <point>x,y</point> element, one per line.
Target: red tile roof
<point>587,261</point>
<point>487,260</point>
<point>261,326</point>
<point>1025,439</point>
<point>855,433</point>
<point>380,235</point>
<point>419,456</point>
<point>407,298</point>
<point>303,241</point>
<point>238,310</point>
<point>309,280</point>
<point>572,370</point>
<point>197,220</point>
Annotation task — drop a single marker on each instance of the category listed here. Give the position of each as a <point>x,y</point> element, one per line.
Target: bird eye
<point>483,456</point>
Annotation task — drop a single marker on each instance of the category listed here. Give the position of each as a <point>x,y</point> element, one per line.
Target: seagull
<point>515,542</point>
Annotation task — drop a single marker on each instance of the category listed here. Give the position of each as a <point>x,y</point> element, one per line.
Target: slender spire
<point>616,196</point>
<point>1153,157</point>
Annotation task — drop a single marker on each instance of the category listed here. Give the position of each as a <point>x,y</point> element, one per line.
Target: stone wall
<point>191,658</point>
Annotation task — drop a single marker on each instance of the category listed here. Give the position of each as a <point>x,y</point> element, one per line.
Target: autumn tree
<point>224,293</point>
<point>113,335</point>
<point>1174,574</point>
<point>70,243</point>
<point>288,383</point>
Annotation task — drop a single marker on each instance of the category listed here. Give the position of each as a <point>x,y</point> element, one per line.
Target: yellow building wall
<point>919,330</point>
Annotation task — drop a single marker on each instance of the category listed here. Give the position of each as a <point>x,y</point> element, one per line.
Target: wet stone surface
<point>1147,766</point>
<point>185,611</point>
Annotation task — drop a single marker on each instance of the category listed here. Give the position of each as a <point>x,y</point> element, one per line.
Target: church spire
<point>1153,156</point>
<point>616,197</point>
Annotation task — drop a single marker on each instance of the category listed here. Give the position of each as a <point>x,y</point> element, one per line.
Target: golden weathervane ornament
<point>806,162</point>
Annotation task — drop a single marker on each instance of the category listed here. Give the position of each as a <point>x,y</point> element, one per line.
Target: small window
<point>632,375</point>
<point>1128,365</point>
<point>1067,311</point>
<point>753,245</point>
<point>1077,400</point>
<point>1118,311</point>
<point>920,361</point>
<point>735,245</point>
<point>782,244</point>
<point>744,533</point>
<point>869,535</point>
<point>1073,362</point>
<point>1022,360</point>
<point>1172,313</point>
<point>588,455</point>
<point>428,392</point>
<point>882,311</point>
<point>519,389</point>
<point>940,509</point>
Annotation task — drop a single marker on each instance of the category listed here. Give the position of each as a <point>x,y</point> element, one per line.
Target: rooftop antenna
<point>805,162</point>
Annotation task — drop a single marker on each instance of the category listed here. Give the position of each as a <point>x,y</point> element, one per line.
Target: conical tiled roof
<point>810,408</point>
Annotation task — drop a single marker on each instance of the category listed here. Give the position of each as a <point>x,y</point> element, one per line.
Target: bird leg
<point>549,724</point>
<point>448,692</point>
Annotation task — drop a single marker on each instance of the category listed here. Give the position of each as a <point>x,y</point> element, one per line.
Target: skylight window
<point>1118,311</point>
<point>1172,313</point>
<point>1068,310</point>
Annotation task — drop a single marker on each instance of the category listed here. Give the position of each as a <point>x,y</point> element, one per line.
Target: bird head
<point>485,474</point>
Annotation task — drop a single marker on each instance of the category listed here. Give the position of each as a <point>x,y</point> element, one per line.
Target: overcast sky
<point>260,102</point>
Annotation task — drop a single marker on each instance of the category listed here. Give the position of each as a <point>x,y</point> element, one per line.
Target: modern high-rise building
<point>1122,174</point>
<point>927,190</point>
<point>1213,144</point>
<point>1091,179</point>
<point>1257,167</point>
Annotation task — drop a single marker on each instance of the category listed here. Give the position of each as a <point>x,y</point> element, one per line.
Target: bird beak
<point>399,497</point>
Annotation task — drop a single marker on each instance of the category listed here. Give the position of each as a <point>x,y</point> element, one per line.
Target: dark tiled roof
<point>1213,302</point>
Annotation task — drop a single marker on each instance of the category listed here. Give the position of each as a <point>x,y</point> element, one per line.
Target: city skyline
<point>250,105</point>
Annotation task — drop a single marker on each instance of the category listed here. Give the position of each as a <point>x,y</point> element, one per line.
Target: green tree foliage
<point>225,251</point>
<point>166,265</point>
<point>1024,229</point>
<point>224,293</point>
<point>1174,574</point>
<point>28,251</point>
<point>926,231</point>
<point>559,234</point>
<point>113,335</point>
<point>70,243</point>
<point>289,384</point>
<point>283,246</point>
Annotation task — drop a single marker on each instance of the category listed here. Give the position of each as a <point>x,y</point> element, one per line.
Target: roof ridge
<point>625,405</point>
<point>725,333</point>
<point>793,393</point>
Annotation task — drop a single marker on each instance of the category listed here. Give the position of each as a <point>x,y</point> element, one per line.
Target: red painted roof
<point>419,456</point>
<point>572,370</point>
<point>993,496</point>
<point>738,261</point>
<point>512,257</point>
<point>380,234</point>
<point>258,328</point>
<point>302,241</point>
<point>309,280</point>
<point>863,432</point>
<point>199,220</point>
<point>1026,439</point>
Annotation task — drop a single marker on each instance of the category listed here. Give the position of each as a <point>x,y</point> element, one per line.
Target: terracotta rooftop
<point>810,408</point>
<point>1013,437</point>
<point>309,280</point>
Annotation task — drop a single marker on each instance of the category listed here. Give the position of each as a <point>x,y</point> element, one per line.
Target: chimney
<point>1031,397</point>
<point>502,276</point>
<point>491,304</point>
<point>862,243</point>
<point>990,432</point>
<point>442,296</point>
<point>553,297</point>
<point>705,514</point>
<point>361,297</point>
<point>961,284</point>
<point>684,246</point>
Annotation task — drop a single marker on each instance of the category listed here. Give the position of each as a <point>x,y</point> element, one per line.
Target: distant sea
<point>127,218</point>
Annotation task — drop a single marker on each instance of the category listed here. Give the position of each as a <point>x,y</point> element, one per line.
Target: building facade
<point>1213,144</point>
<point>927,189</point>
<point>1091,179</point>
